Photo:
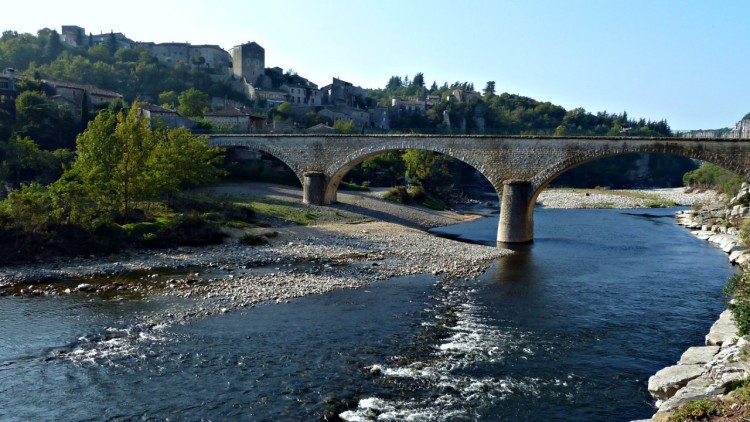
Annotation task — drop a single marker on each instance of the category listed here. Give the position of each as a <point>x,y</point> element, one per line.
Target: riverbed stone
<point>698,355</point>
<point>665,383</point>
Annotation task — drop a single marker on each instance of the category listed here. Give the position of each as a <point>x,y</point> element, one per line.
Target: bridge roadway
<point>518,167</point>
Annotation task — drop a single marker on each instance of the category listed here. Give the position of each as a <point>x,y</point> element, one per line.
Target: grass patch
<point>285,210</point>
<point>353,187</point>
<point>697,410</point>
<point>434,204</point>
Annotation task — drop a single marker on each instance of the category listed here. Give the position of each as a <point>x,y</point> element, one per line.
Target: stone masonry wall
<point>535,159</point>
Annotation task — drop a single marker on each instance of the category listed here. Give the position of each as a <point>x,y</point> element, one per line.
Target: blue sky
<point>684,61</point>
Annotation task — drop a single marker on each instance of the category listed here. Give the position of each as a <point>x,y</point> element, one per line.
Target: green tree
<point>53,48</point>
<point>192,103</point>
<point>99,53</point>
<point>112,44</point>
<point>429,171</point>
<point>489,89</point>
<point>418,80</point>
<point>20,155</point>
<point>394,82</point>
<point>182,160</point>
<point>345,126</point>
<point>121,161</point>
<point>168,99</point>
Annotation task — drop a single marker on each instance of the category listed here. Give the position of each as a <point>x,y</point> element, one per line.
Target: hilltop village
<point>244,69</point>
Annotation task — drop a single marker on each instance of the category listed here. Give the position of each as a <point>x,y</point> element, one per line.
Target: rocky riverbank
<point>625,198</point>
<point>704,372</point>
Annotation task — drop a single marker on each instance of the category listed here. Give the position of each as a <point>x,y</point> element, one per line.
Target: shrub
<point>738,288</point>
<point>696,410</point>
<point>398,194</point>
<point>745,232</point>
<point>253,239</point>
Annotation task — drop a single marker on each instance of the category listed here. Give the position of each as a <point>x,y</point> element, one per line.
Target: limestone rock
<point>698,355</point>
<point>665,383</point>
<point>688,394</point>
<point>722,329</point>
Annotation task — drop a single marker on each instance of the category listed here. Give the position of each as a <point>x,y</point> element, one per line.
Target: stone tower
<point>248,61</point>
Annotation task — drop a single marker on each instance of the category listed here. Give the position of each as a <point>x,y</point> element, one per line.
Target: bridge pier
<point>313,187</point>
<point>516,221</point>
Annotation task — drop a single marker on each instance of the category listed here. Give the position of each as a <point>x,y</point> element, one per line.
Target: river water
<point>569,328</point>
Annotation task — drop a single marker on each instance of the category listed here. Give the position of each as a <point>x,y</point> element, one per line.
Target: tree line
<point>503,113</point>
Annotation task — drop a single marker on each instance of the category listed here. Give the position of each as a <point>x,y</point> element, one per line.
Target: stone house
<point>235,120</point>
<point>73,35</point>
<point>8,84</point>
<point>303,95</point>
<point>409,106</point>
<point>73,94</point>
<point>102,39</point>
<point>272,97</point>
<point>210,57</point>
<point>170,118</point>
<point>380,118</point>
<point>343,94</point>
<point>358,116</point>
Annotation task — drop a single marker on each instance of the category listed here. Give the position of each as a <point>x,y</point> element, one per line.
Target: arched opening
<point>247,165</point>
<point>633,171</point>
<point>414,176</point>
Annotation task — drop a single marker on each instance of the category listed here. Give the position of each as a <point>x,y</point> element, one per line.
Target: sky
<point>685,61</point>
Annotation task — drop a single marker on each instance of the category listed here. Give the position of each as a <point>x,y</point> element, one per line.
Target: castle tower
<point>248,61</point>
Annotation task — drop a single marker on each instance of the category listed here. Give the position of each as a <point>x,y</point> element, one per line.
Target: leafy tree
<point>429,171</point>
<point>53,47</point>
<point>20,155</point>
<point>394,82</point>
<point>168,99</point>
<point>489,89</point>
<point>345,126</point>
<point>122,161</point>
<point>192,103</point>
<point>418,80</point>
<point>111,44</point>
<point>128,55</point>
<point>181,160</point>
<point>281,112</point>
<point>99,53</point>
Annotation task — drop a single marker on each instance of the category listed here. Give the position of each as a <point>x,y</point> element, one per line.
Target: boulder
<point>84,287</point>
<point>665,383</point>
<point>721,330</point>
<point>698,355</point>
<point>736,253</point>
<point>688,394</point>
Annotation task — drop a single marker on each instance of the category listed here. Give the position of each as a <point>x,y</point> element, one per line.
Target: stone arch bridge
<point>519,167</point>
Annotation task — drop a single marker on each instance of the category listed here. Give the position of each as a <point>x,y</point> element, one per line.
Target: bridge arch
<point>341,166</point>
<point>726,159</point>
<point>279,152</point>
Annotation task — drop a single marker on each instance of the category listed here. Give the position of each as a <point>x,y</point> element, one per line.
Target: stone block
<point>665,383</point>
<point>721,330</point>
<point>698,355</point>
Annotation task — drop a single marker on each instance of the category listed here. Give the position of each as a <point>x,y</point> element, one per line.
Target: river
<point>569,328</point>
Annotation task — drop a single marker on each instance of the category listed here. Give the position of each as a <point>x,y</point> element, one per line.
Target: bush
<point>696,410</point>
<point>738,288</point>
<point>398,194</point>
<point>253,239</point>
<point>745,232</point>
